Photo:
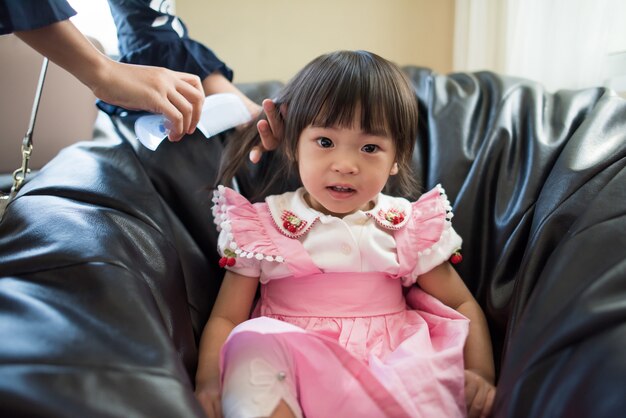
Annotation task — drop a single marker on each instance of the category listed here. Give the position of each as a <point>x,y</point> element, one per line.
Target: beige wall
<point>273,39</point>
<point>260,40</point>
<point>66,112</point>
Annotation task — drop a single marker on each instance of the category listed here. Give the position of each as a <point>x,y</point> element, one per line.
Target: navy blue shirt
<point>148,34</point>
<point>151,35</point>
<point>18,15</point>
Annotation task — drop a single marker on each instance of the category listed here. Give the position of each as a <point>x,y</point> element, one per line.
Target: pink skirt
<point>339,344</point>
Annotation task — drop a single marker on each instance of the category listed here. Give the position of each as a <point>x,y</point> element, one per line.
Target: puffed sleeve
<point>243,241</point>
<point>18,15</point>
<point>432,237</point>
<point>149,34</point>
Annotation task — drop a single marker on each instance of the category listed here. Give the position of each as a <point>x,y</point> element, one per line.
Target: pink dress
<point>340,330</point>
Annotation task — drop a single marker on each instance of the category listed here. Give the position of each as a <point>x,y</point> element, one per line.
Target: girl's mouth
<point>341,189</point>
<point>341,192</point>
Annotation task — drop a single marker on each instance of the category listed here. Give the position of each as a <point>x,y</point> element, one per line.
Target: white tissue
<point>220,112</point>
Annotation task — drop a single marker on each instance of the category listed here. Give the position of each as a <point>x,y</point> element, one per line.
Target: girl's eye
<point>324,142</point>
<point>370,148</point>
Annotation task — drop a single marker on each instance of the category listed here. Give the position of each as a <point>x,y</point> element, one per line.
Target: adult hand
<point>209,398</point>
<point>479,395</point>
<point>270,130</point>
<point>176,95</point>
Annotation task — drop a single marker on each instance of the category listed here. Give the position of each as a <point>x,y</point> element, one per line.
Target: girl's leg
<point>258,379</point>
<point>267,363</point>
<point>282,411</point>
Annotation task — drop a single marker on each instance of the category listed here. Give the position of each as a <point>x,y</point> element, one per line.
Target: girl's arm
<point>231,308</point>
<point>445,284</point>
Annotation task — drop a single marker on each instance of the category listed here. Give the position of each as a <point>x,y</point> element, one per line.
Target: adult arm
<point>178,96</point>
<point>150,34</point>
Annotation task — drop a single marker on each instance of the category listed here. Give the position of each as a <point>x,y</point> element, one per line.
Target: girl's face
<point>343,169</point>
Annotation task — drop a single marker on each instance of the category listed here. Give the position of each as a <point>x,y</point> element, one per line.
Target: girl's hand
<point>209,398</point>
<point>479,395</point>
<point>270,130</point>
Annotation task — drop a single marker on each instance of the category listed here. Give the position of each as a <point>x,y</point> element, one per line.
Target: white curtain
<point>565,44</point>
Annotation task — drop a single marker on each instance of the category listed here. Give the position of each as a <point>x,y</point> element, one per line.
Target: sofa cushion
<point>108,262</point>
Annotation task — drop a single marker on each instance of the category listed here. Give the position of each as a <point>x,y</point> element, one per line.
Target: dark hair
<point>329,91</point>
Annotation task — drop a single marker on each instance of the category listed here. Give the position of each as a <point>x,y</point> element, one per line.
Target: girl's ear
<point>394,169</point>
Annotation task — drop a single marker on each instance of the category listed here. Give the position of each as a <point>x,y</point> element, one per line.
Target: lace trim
<point>443,199</point>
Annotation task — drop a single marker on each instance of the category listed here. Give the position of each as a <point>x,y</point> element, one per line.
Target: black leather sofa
<point>108,267</point>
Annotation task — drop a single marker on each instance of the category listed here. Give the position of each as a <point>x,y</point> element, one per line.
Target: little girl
<point>360,314</point>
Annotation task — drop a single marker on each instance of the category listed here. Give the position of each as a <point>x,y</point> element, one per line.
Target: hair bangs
<point>335,89</point>
<point>349,91</point>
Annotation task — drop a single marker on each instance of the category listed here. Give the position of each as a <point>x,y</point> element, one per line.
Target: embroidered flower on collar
<point>393,216</point>
<point>291,222</point>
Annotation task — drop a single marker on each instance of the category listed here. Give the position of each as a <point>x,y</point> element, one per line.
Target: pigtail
<point>237,150</point>
<point>272,175</point>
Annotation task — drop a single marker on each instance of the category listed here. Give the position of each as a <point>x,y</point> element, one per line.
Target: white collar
<point>293,217</point>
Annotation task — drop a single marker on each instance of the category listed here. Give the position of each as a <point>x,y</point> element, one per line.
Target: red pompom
<point>231,261</point>
<point>223,262</point>
<point>456,258</point>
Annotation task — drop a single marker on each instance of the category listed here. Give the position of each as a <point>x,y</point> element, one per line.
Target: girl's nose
<point>345,165</point>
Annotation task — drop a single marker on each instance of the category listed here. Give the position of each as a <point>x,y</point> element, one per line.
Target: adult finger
<point>190,87</point>
<point>255,154</point>
<point>174,121</point>
<point>193,80</point>
<point>184,107</point>
<point>272,132</point>
<point>269,107</point>
<point>268,139</point>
